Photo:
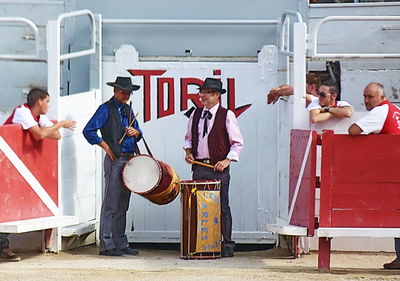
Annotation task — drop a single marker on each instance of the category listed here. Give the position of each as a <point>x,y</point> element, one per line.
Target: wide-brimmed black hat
<point>212,83</point>
<point>124,83</point>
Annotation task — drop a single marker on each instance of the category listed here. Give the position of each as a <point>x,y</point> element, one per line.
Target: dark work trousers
<point>114,207</point>
<point>205,173</point>
<point>4,241</point>
<point>397,247</point>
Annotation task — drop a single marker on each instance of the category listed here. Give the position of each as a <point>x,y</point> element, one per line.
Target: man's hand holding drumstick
<point>219,166</point>
<point>130,131</point>
<point>189,156</point>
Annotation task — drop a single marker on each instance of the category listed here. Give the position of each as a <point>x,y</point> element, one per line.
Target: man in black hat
<point>115,119</point>
<point>214,137</point>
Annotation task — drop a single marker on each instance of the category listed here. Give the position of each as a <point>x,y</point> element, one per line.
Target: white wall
<point>253,179</point>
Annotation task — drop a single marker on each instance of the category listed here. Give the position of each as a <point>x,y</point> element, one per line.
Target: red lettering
<point>231,99</point>
<point>185,96</point>
<point>161,111</point>
<point>146,88</point>
<point>166,104</point>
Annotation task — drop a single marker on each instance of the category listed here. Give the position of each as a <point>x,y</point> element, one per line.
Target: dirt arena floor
<point>164,265</point>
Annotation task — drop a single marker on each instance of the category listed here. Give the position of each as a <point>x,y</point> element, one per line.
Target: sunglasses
<point>323,95</point>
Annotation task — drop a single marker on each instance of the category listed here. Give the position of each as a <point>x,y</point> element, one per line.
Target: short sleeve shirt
<point>23,116</point>
<point>373,121</point>
<point>315,104</point>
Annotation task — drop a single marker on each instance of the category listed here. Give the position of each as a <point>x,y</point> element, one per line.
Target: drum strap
<point>137,150</point>
<point>147,147</point>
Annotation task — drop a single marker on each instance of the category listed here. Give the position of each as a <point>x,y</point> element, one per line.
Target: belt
<point>207,161</point>
<point>127,154</point>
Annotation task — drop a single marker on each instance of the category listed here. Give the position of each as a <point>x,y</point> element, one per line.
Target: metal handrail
<point>37,43</point>
<point>314,35</point>
<point>354,5</point>
<point>187,21</point>
<point>284,26</point>
<point>90,51</point>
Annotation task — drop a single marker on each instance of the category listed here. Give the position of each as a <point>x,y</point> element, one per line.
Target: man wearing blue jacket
<point>114,119</point>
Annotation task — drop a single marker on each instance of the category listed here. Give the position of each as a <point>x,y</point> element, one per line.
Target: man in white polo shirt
<point>312,85</point>
<point>382,118</point>
<point>32,116</point>
<point>326,106</point>
<point>33,119</point>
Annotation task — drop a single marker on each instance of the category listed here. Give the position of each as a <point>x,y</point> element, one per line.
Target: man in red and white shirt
<point>382,118</point>
<point>32,116</point>
<point>33,119</point>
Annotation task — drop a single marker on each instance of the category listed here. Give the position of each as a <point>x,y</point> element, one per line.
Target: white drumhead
<point>141,173</point>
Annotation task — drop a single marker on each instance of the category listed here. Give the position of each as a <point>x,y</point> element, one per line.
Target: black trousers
<point>4,243</point>
<point>205,173</point>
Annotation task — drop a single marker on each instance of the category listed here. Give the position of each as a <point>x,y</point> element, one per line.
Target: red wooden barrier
<point>302,155</point>
<point>359,186</point>
<point>18,200</point>
<point>360,181</point>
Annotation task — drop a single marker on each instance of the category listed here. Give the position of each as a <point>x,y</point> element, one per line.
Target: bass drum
<point>150,178</point>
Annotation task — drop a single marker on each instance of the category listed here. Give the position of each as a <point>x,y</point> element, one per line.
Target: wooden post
<point>324,253</point>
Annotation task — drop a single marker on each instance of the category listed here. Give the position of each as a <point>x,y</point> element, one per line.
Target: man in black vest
<point>114,119</point>
<point>214,137</point>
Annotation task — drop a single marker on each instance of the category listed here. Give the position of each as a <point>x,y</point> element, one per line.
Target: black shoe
<point>392,265</point>
<point>130,251</point>
<point>227,252</point>
<point>8,255</point>
<point>112,253</point>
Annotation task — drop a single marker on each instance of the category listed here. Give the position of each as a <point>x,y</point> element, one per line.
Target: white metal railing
<point>37,43</point>
<point>284,42</point>
<point>187,21</point>
<point>356,4</point>
<point>90,51</point>
<point>314,36</point>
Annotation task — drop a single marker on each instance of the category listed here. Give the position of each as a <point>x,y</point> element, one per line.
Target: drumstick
<point>123,136</point>
<point>201,163</point>
<point>130,111</point>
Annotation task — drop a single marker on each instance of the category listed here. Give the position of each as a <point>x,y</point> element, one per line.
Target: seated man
<point>312,86</point>
<point>382,118</point>
<point>33,119</point>
<point>376,121</point>
<point>327,107</point>
<point>31,116</point>
<point>6,254</point>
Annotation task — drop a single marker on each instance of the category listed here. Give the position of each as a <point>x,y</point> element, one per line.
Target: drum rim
<point>159,174</point>
<point>199,182</point>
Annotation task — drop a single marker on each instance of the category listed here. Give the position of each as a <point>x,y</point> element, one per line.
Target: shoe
<point>8,255</point>
<point>130,251</point>
<point>112,253</point>
<point>392,265</point>
<point>227,252</point>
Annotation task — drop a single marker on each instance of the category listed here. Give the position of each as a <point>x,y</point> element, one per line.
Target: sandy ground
<point>165,265</point>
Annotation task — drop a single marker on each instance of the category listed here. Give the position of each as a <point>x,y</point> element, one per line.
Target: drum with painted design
<point>200,219</point>
<point>150,178</point>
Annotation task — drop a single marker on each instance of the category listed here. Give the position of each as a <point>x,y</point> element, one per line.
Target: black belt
<point>127,154</point>
<point>207,161</point>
